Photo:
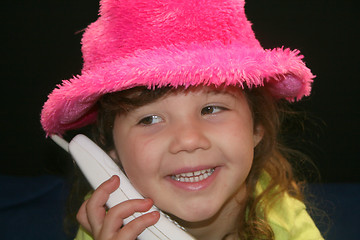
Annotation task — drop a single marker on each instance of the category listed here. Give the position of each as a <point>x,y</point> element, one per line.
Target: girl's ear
<point>258,134</point>
<point>114,156</point>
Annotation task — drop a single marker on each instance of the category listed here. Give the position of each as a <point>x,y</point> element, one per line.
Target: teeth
<point>193,176</point>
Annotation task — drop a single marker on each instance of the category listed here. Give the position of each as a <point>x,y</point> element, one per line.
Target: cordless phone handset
<point>98,167</point>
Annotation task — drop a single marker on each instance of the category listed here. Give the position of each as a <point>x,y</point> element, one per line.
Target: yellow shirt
<point>288,219</point>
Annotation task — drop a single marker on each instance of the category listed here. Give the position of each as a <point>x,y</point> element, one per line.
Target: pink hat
<point>157,43</point>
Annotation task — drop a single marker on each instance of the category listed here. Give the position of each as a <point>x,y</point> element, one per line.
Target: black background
<point>42,46</point>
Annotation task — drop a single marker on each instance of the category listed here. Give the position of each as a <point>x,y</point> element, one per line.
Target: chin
<point>186,217</point>
<point>197,217</point>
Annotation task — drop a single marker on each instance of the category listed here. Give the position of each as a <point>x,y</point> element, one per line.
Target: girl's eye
<point>211,110</point>
<point>149,120</point>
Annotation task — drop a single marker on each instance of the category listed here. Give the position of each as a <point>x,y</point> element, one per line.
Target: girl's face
<point>189,151</point>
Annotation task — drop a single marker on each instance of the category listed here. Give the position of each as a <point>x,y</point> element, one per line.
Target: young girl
<point>187,102</point>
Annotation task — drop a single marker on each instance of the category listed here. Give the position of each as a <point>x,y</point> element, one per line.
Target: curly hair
<point>270,155</point>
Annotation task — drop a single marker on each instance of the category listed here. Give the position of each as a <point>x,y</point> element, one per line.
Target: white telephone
<point>98,167</point>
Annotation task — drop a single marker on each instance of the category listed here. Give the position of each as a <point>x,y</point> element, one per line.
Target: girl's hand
<point>106,225</point>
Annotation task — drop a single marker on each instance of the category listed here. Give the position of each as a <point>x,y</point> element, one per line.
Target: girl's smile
<point>194,180</point>
<point>190,151</point>
<point>193,176</point>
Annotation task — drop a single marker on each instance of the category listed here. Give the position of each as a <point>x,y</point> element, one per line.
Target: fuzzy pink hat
<point>157,43</point>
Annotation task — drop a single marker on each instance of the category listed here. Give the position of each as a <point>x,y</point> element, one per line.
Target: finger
<point>82,217</point>
<point>95,206</point>
<point>115,216</point>
<point>134,228</point>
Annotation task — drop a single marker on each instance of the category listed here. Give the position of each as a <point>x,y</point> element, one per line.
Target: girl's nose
<point>188,137</point>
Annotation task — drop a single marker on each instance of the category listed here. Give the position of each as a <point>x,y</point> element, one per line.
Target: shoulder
<point>289,218</point>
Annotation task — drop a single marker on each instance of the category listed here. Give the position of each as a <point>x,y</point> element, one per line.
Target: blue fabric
<point>340,203</point>
<point>32,208</point>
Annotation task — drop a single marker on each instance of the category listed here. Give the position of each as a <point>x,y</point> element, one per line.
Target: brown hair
<point>270,156</point>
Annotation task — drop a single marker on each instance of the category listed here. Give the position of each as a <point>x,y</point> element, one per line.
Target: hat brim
<point>71,104</point>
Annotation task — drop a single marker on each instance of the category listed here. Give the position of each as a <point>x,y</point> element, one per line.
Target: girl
<point>187,102</point>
